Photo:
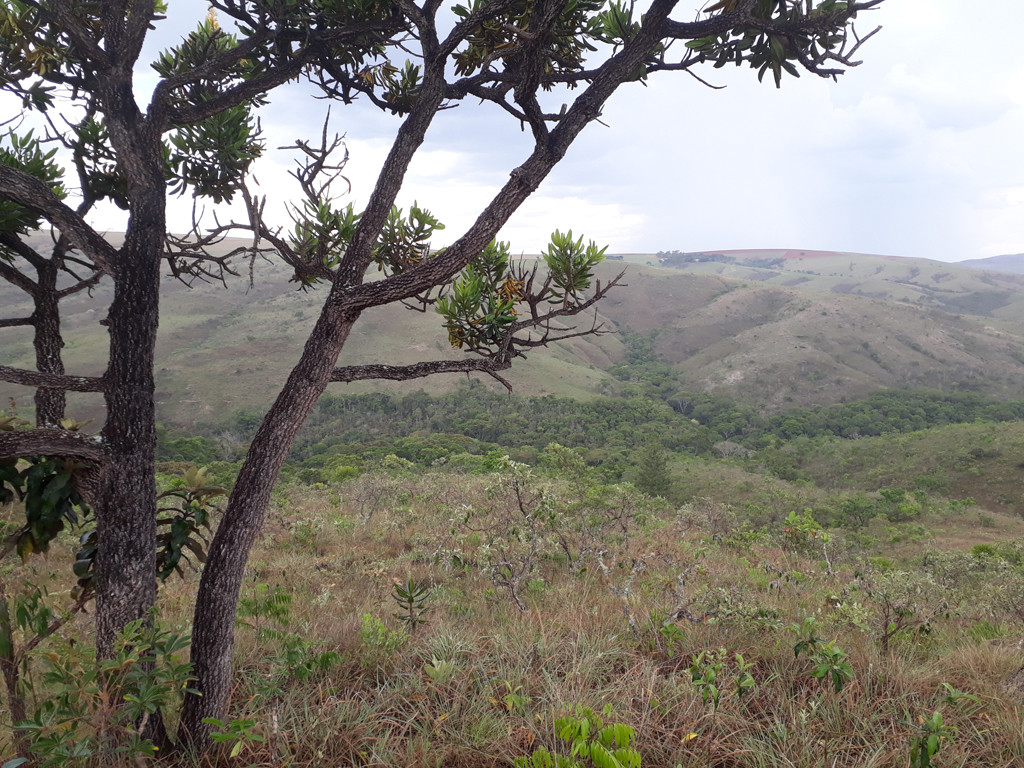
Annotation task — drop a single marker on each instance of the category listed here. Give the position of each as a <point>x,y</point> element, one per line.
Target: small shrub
<point>589,742</point>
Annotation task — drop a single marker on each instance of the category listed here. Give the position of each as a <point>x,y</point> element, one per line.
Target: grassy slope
<point>222,349</point>
<point>441,697</point>
<point>782,346</point>
<point>815,330</point>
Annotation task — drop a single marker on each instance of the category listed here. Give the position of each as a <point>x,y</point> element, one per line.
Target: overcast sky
<point>917,152</point>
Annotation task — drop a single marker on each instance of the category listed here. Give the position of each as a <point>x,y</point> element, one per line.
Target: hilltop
<point>1006,263</point>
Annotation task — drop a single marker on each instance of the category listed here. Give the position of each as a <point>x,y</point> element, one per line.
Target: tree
<point>71,63</point>
<point>652,475</point>
<point>27,266</point>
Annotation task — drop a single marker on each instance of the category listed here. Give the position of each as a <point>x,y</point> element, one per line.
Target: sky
<point>914,153</point>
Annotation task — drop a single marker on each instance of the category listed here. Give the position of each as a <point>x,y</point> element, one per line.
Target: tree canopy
<point>72,64</point>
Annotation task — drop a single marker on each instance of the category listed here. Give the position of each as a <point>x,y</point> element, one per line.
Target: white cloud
<point>914,153</point>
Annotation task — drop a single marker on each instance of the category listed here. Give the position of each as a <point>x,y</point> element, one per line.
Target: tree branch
<point>524,179</point>
<point>744,17</point>
<point>16,321</point>
<point>60,14</point>
<point>16,278</point>
<point>488,365</point>
<point>51,442</point>
<point>29,191</point>
<point>51,380</point>
<point>82,285</point>
<point>16,245</point>
<point>319,47</point>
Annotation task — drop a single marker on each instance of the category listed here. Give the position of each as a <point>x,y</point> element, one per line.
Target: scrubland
<point>726,630</point>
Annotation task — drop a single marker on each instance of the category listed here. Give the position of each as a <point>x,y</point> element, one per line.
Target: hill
<point>780,345</point>
<point>932,284</point>
<point>775,329</point>
<point>1007,263</point>
<point>223,348</point>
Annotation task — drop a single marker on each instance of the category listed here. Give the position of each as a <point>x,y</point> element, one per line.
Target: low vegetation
<point>482,611</point>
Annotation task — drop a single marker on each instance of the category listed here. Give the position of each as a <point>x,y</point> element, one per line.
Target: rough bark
<point>217,599</point>
<point>126,517</point>
<point>51,442</point>
<point>50,402</point>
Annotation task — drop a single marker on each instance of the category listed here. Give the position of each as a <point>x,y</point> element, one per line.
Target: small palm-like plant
<point>411,597</point>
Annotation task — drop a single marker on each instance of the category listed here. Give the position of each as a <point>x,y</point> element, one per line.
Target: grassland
<point>631,605</point>
<point>893,564</point>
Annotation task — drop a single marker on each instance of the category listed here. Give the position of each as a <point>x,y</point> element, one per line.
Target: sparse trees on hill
<point>72,64</point>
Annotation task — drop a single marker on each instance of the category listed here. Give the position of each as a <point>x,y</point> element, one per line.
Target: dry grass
<point>483,682</point>
<point>510,674</point>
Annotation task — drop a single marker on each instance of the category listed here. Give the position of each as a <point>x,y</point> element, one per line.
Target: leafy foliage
<point>590,743</point>
<point>481,303</point>
<point>184,522</point>
<point>572,265</point>
<point>26,153</point>
<point>565,44</point>
<point>50,497</point>
<point>94,709</point>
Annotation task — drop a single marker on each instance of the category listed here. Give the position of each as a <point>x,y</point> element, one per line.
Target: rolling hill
<point>1007,263</point>
<point>774,328</point>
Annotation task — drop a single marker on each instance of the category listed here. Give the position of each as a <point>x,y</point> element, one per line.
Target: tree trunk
<point>126,513</point>
<point>213,635</point>
<point>50,403</point>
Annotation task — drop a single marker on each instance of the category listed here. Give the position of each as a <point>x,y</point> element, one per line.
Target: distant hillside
<point>222,349</point>
<point>776,329</point>
<point>1007,263</point>
<point>779,345</point>
<point>933,284</point>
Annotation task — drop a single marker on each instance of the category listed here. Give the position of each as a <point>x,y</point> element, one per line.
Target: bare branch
<point>51,442</point>
<point>16,278</point>
<point>55,625</point>
<point>17,245</point>
<point>16,321</point>
<point>82,285</point>
<point>51,380</point>
<point>489,365</point>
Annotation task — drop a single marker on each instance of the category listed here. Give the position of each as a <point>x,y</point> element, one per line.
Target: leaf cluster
<point>182,523</point>
<point>784,34</point>
<point>25,153</point>
<point>479,306</point>
<point>411,598</point>
<point>571,265</point>
<point>522,36</point>
<point>405,240</point>
<point>591,743</point>
<point>46,488</point>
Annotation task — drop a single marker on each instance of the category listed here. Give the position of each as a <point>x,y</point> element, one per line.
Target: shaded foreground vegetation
<point>756,621</point>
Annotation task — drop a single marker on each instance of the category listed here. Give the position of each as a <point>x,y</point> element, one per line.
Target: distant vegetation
<point>348,431</point>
